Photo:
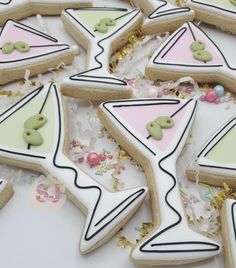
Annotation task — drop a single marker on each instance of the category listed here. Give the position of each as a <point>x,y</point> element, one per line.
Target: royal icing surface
<point>40,44</point>
<point>218,154</point>
<point>173,240</point>
<point>162,10</point>
<point>222,7</point>
<point>105,210</point>
<point>84,20</point>
<point>23,8</point>
<point>231,229</point>
<point>176,54</point>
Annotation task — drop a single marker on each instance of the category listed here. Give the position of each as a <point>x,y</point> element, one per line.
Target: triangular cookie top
<point>177,50</point>
<point>40,44</point>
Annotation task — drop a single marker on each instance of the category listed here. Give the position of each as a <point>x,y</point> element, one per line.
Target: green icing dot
<point>8,48</point>
<point>233,2</point>
<point>22,46</point>
<point>101,28</point>
<point>32,137</point>
<point>164,121</point>
<point>103,24</point>
<point>197,45</point>
<point>108,22</point>
<point>202,55</point>
<point>154,130</point>
<point>35,122</point>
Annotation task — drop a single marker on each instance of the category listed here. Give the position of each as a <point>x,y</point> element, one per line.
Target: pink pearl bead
<point>217,100</point>
<point>211,96</point>
<point>93,159</point>
<point>189,90</point>
<point>166,91</point>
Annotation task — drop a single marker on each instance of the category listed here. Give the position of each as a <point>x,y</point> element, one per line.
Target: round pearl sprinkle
<point>211,96</point>
<point>93,159</point>
<point>220,91</point>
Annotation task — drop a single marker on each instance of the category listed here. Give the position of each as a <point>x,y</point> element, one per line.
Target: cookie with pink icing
<point>189,51</point>
<point>38,143</point>
<point>101,31</point>
<point>221,13</point>
<point>6,192</point>
<point>161,16</point>
<point>20,9</point>
<point>154,132</point>
<point>23,47</point>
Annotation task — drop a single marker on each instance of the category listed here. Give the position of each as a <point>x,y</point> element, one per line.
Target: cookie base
<point>160,74</point>
<point>225,24</point>
<point>42,66</point>
<point>6,194</point>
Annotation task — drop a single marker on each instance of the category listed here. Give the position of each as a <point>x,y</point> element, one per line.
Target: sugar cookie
<point>6,192</point>
<point>23,47</point>
<point>221,13</point>
<point>181,56</point>
<point>41,113</point>
<point>162,16</point>
<point>20,9</point>
<point>101,31</point>
<point>228,223</point>
<point>136,124</point>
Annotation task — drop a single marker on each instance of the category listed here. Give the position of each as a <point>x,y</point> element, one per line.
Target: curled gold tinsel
<point>177,93</point>
<point>123,242</point>
<point>218,200</point>
<point>124,51</point>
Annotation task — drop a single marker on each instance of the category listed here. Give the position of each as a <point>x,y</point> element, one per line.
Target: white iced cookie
<point>6,192</point>
<point>228,222</point>
<point>23,47</point>
<point>38,143</point>
<point>221,13</point>
<point>189,51</point>
<point>20,9</point>
<point>154,132</point>
<point>162,16</point>
<point>101,31</point>
<point>216,162</point>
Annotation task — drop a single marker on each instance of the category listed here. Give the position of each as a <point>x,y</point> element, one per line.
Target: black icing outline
<point>133,196</point>
<point>183,29</point>
<point>165,101</point>
<point>163,13</point>
<point>36,32</point>
<point>213,6</point>
<point>212,140</point>
<point>6,3</point>
<point>76,77</point>
<point>233,218</point>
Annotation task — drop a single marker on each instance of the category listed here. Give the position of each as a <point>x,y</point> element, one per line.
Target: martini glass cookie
<point>189,51</point>
<point>154,132</point>
<point>23,47</point>
<point>101,31</point>
<point>216,164</point>
<point>6,192</point>
<point>162,16</point>
<point>38,144</point>
<point>20,9</point>
<point>228,223</point>
<point>221,13</point>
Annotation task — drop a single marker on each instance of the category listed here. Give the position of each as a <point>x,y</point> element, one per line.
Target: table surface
<point>35,237</point>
